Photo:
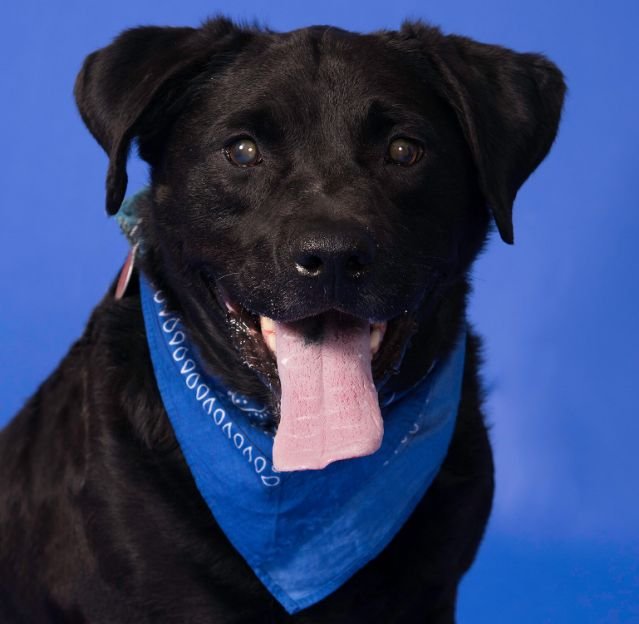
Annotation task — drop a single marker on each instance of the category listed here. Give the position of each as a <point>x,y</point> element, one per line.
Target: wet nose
<point>334,255</point>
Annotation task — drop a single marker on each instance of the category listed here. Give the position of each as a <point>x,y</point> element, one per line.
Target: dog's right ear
<point>120,82</point>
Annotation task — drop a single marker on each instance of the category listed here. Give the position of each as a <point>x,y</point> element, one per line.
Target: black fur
<point>100,521</point>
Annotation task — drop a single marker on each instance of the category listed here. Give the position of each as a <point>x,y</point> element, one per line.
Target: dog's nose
<point>334,255</point>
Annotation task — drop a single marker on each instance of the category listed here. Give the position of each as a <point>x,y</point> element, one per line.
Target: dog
<point>306,186</point>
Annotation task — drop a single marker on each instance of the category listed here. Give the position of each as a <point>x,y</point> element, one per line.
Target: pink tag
<point>125,273</point>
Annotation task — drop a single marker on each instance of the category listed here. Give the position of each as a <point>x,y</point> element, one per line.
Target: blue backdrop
<point>557,310</point>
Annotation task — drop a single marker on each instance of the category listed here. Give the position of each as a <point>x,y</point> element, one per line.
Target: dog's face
<point>324,184</point>
<point>317,180</point>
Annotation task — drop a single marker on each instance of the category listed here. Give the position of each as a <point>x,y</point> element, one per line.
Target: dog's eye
<point>404,152</point>
<point>243,153</point>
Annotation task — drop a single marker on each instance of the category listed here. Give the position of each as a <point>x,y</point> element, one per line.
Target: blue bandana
<point>303,533</point>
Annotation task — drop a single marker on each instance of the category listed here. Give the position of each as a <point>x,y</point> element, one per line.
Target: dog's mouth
<point>313,330</point>
<point>325,370</point>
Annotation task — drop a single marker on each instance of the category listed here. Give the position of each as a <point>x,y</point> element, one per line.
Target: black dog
<point>292,175</point>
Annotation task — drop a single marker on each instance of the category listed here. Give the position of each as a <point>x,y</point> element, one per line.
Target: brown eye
<point>404,152</point>
<point>243,153</point>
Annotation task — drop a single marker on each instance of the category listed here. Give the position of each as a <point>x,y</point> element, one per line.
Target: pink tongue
<point>329,408</point>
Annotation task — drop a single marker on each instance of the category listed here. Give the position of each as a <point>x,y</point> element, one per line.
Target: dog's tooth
<point>267,324</point>
<point>267,327</point>
<point>270,341</point>
<point>376,340</point>
<point>377,335</point>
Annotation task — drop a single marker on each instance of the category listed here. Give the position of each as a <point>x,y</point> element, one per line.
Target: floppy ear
<point>118,84</point>
<point>508,105</point>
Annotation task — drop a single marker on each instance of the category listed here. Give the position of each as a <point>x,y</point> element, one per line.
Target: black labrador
<point>292,174</point>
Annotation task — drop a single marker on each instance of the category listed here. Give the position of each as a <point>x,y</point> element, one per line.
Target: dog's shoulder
<point>61,451</point>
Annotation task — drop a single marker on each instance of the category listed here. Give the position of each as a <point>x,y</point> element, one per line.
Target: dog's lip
<point>266,326</point>
<point>232,306</point>
<point>245,327</point>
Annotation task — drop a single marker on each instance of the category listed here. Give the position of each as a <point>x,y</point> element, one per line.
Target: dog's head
<point>318,183</point>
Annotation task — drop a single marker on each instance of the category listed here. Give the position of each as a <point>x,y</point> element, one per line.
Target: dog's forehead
<point>319,70</point>
<point>326,55</point>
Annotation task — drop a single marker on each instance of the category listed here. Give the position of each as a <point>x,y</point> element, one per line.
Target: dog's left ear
<point>508,105</point>
<point>133,85</point>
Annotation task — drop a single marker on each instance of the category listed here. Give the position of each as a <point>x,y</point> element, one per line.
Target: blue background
<point>557,309</point>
